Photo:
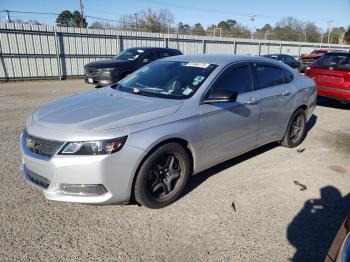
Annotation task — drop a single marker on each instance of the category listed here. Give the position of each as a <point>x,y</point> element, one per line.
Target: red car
<point>332,76</point>
<point>308,59</point>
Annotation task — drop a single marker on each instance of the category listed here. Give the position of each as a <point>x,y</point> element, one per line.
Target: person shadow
<point>313,229</point>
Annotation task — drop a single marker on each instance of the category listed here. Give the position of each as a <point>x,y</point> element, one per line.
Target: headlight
<point>108,69</point>
<point>104,147</point>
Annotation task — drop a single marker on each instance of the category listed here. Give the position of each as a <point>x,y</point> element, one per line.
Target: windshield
<point>167,79</point>
<point>335,61</point>
<point>129,54</point>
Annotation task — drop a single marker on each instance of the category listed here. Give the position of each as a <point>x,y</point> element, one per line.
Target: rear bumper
<point>334,93</point>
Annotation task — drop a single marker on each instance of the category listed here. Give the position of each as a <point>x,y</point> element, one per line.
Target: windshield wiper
<point>115,86</point>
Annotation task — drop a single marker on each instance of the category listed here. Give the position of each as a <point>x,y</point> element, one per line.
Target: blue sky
<point>203,11</point>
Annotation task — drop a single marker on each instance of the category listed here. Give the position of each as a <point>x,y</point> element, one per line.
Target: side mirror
<point>221,95</point>
<point>145,60</point>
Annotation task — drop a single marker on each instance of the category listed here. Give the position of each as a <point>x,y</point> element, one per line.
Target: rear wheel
<point>163,176</point>
<point>296,129</point>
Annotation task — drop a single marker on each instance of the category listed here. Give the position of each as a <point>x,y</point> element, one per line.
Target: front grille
<point>39,180</point>
<point>91,72</point>
<point>42,146</point>
<point>307,60</point>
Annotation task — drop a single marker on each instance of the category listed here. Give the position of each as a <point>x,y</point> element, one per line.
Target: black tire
<point>155,177</point>
<point>296,129</point>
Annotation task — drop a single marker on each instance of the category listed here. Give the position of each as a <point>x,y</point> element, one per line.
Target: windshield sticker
<point>195,64</point>
<point>199,78</point>
<point>187,91</point>
<point>135,90</point>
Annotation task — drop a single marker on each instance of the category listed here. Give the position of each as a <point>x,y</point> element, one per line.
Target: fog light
<point>83,190</point>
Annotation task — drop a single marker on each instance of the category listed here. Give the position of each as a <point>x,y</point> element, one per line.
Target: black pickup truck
<point>104,73</point>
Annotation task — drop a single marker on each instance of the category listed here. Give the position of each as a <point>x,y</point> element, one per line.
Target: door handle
<point>286,93</point>
<point>252,101</point>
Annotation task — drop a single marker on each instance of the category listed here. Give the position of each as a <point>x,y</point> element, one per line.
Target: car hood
<point>103,109</point>
<point>107,63</point>
<point>312,56</point>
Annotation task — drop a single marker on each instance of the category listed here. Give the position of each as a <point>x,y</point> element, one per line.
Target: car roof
<point>153,48</point>
<point>338,53</point>
<point>220,60</point>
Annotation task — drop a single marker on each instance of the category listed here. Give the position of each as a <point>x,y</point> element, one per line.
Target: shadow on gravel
<point>199,178</point>
<point>313,229</point>
<point>326,102</point>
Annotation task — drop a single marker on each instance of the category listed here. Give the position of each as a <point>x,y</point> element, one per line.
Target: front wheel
<point>296,129</point>
<point>163,176</point>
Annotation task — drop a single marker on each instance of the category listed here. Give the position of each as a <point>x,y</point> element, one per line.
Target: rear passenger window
<point>163,54</point>
<point>287,76</point>
<point>237,78</point>
<point>267,76</point>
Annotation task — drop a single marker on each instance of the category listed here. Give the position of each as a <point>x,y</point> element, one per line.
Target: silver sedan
<point>143,137</point>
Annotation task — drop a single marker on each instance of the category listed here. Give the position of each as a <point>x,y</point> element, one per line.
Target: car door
<point>229,128</point>
<point>276,94</point>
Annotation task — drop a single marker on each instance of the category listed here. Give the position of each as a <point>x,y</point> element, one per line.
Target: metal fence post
<point>235,47</point>
<point>259,49</point>
<point>58,54</point>
<point>204,45</point>
<point>280,48</point>
<point>121,43</point>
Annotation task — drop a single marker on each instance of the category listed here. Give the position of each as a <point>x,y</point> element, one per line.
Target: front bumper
<point>101,77</point>
<point>114,172</point>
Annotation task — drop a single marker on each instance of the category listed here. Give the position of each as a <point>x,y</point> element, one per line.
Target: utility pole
<point>8,19</point>
<point>135,16</point>
<point>168,28</point>
<point>252,19</point>
<point>82,13</point>
<point>329,23</point>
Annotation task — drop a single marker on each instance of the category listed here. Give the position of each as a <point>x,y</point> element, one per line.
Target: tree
<point>347,36</point>
<point>69,19</point>
<point>227,26</point>
<point>241,31</point>
<point>102,25</point>
<point>312,33</point>
<point>183,28</point>
<point>78,20</point>
<point>198,29</point>
<point>288,29</point>
<point>266,28</point>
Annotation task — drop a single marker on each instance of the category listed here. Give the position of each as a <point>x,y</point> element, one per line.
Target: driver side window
<point>237,78</point>
<point>150,56</point>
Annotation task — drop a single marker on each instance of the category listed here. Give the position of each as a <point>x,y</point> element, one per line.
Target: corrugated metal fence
<point>37,51</point>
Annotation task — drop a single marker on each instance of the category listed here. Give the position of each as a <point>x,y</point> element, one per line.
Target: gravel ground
<point>273,219</point>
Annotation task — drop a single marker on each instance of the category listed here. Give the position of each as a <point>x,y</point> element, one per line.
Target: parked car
<point>287,59</point>
<point>332,76</point>
<point>340,248</point>
<point>308,59</point>
<point>153,129</point>
<point>104,73</point>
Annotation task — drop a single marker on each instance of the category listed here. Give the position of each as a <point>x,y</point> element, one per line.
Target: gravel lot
<point>274,220</point>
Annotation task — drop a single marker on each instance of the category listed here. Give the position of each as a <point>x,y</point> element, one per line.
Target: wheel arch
<point>181,141</point>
